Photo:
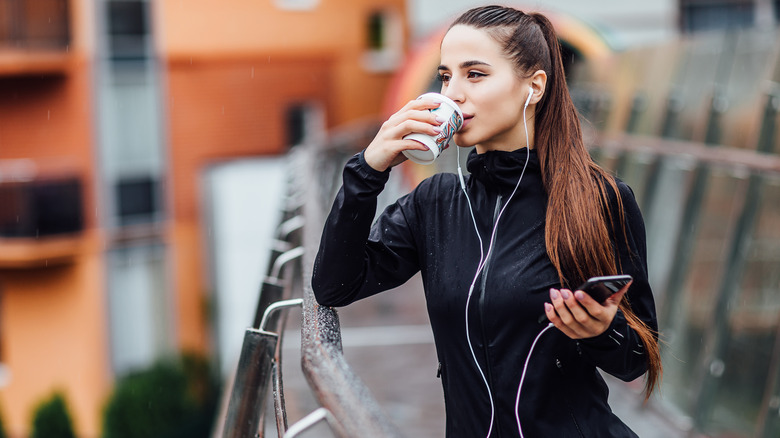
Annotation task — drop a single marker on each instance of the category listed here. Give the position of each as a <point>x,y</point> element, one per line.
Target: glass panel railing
<point>737,400</point>
<point>745,85</point>
<point>687,313</point>
<point>661,207</point>
<point>634,168</point>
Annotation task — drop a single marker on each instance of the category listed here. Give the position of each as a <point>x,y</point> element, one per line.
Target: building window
<point>127,23</point>
<point>376,31</point>
<point>296,126</point>
<point>304,123</point>
<point>136,199</point>
<point>40,208</point>
<point>384,41</point>
<point>34,24</point>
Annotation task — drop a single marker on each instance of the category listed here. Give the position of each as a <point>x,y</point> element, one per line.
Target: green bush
<point>51,419</point>
<point>171,399</point>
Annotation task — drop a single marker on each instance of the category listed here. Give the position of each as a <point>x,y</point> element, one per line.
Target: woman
<point>534,219</point>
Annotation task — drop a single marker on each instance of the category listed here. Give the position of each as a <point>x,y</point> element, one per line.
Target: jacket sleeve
<point>619,351</point>
<point>356,260</point>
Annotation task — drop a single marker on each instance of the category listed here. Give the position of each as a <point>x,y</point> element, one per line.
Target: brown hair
<point>578,218</point>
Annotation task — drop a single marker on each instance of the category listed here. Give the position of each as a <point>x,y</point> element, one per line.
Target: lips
<point>466,119</point>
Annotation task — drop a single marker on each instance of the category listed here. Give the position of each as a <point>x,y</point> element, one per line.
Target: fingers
<point>617,297</point>
<point>578,315</point>
<point>420,104</point>
<point>399,129</point>
<point>553,317</point>
<point>570,313</point>
<point>419,110</point>
<point>415,117</point>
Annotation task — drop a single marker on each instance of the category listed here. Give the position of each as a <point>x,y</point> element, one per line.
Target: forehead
<point>466,43</point>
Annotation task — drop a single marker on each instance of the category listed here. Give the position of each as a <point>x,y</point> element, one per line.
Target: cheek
<point>493,98</point>
<point>506,89</point>
<point>501,108</point>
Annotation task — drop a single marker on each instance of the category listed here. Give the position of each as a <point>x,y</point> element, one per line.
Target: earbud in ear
<point>530,94</point>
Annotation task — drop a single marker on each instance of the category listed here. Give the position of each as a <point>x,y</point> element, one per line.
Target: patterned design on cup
<point>448,130</point>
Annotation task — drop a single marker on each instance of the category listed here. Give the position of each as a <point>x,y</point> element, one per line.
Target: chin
<point>462,141</point>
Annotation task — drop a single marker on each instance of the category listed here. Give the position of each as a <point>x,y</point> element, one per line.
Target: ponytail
<point>576,186</point>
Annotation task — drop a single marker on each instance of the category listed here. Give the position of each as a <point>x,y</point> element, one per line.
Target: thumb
<point>617,297</point>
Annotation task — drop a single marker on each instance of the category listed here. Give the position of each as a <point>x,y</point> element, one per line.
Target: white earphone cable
<point>522,377</point>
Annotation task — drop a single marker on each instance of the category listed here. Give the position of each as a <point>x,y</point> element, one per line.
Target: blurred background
<point>142,160</point>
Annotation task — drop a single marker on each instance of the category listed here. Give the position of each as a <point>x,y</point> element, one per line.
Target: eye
<point>475,75</point>
<point>443,77</point>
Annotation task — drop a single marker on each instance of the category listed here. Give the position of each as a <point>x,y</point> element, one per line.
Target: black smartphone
<point>601,288</point>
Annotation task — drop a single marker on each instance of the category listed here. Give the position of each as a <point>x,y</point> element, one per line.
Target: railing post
<point>276,372</point>
<point>247,398</point>
<point>258,357</point>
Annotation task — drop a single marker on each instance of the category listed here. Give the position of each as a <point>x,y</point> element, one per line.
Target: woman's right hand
<point>415,117</point>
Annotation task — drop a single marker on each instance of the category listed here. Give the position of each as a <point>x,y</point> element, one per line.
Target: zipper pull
<point>558,363</point>
<point>438,371</point>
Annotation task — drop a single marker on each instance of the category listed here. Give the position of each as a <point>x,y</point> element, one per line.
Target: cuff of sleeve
<point>615,336</point>
<point>366,171</point>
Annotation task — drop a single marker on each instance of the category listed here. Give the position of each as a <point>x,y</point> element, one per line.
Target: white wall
<point>242,211</point>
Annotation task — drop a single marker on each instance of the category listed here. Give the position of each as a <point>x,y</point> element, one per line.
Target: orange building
<point>109,113</point>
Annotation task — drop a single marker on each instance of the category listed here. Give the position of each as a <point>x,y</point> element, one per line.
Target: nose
<point>454,91</point>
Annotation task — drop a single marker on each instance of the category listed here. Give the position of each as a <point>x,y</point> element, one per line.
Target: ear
<point>539,84</point>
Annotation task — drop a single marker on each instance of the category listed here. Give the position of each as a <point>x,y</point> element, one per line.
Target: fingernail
<point>440,119</point>
<point>565,294</point>
<point>580,295</point>
<point>437,128</point>
<point>554,294</point>
<point>548,307</point>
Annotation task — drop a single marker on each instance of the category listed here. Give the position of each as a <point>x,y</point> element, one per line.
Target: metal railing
<point>346,404</point>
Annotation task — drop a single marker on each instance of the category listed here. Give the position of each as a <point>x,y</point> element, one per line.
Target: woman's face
<point>483,82</point>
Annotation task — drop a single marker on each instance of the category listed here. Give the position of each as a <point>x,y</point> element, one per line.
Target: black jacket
<point>431,231</point>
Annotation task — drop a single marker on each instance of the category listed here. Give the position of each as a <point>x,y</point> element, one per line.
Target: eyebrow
<point>465,64</point>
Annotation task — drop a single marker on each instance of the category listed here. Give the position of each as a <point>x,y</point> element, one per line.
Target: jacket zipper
<point>481,305</point>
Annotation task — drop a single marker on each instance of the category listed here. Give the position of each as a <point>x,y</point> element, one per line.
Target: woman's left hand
<point>578,315</point>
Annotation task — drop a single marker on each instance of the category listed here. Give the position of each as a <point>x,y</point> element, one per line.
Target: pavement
<point>388,342</point>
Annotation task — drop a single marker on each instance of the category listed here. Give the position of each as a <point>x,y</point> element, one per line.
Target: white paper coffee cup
<point>453,120</point>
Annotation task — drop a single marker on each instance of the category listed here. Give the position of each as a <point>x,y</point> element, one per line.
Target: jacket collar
<point>502,169</point>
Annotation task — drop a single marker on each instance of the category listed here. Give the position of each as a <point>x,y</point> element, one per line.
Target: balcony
<point>40,221</point>
<point>34,37</point>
